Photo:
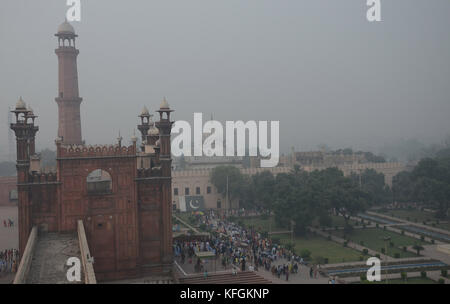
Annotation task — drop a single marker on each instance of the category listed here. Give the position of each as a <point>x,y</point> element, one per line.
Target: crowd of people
<point>8,223</point>
<point>8,260</point>
<point>237,247</point>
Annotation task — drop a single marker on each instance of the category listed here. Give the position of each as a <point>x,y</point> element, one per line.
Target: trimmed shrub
<point>305,254</point>
<point>441,281</point>
<point>444,273</point>
<point>423,274</point>
<point>404,276</point>
<point>319,259</point>
<point>365,251</point>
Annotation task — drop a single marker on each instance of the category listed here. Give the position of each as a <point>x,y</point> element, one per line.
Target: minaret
<point>25,131</point>
<point>164,126</point>
<point>68,100</point>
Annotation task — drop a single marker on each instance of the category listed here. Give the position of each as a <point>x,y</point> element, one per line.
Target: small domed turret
<point>21,105</point>
<point>164,104</point>
<point>145,112</point>
<point>66,28</point>
<point>153,131</point>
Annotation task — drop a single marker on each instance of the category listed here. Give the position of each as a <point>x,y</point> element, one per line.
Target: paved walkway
<point>50,256</point>
<point>434,275</point>
<point>302,277</point>
<point>431,228</point>
<point>9,236</point>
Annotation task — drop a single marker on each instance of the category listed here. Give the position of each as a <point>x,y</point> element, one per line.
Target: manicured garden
<point>373,238</point>
<point>259,223</point>
<point>412,215</point>
<point>320,249</point>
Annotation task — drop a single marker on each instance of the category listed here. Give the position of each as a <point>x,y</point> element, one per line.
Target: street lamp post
<point>386,239</point>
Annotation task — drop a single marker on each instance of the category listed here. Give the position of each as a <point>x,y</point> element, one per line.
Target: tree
<point>264,189</point>
<point>402,187</point>
<point>429,183</point>
<point>236,181</point>
<point>373,184</point>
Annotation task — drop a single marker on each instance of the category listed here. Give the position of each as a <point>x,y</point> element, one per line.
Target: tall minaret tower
<point>68,100</point>
<point>25,130</point>
<point>164,126</point>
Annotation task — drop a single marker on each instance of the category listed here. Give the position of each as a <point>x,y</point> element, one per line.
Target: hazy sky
<point>318,66</point>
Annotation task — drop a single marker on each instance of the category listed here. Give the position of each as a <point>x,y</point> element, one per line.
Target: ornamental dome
<point>66,28</point>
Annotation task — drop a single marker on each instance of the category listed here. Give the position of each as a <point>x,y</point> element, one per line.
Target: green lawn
<point>373,238</point>
<point>412,215</point>
<point>408,281</point>
<point>268,224</point>
<point>321,247</point>
<point>184,216</point>
<point>336,221</point>
<point>260,224</point>
<point>445,226</point>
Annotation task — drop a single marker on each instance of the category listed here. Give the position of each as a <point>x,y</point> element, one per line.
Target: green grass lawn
<point>408,281</point>
<point>321,247</point>
<point>412,215</point>
<point>373,239</point>
<point>268,224</point>
<point>336,221</point>
<point>260,224</point>
<point>184,216</point>
<point>445,226</point>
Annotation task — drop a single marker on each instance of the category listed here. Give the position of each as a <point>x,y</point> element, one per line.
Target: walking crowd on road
<point>8,260</point>
<point>8,223</point>
<point>240,248</point>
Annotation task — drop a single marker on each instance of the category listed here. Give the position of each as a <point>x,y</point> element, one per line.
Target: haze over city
<point>318,67</point>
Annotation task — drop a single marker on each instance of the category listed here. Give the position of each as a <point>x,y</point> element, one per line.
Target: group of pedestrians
<point>8,223</point>
<point>238,247</point>
<point>8,260</point>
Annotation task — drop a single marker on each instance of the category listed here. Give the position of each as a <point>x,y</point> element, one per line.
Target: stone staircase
<point>245,277</point>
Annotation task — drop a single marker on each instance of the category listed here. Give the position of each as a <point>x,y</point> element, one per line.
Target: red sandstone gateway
<point>122,194</point>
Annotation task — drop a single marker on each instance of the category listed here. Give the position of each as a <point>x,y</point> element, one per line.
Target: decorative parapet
<point>41,178</point>
<point>149,172</point>
<point>27,257</point>
<point>86,258</point>
<point>247,171</point>
<point>95,151</point>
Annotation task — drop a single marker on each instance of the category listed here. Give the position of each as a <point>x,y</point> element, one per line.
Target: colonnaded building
<point>116,199</point>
